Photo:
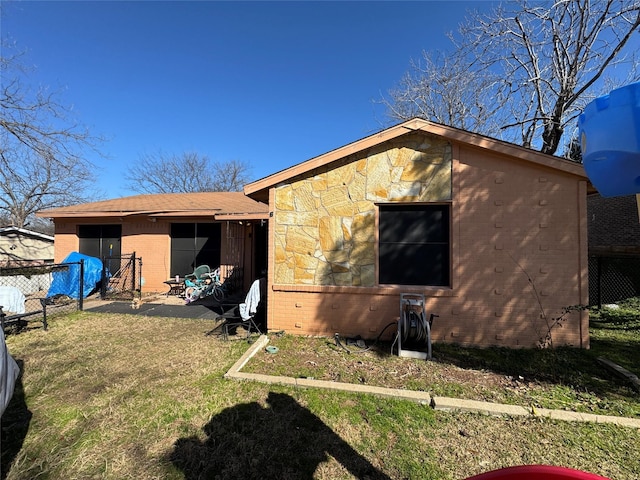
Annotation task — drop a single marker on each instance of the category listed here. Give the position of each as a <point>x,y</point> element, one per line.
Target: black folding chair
<point>247,311</point>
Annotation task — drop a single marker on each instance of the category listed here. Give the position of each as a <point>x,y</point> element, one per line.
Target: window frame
<point>382,278</point>
<point>202,247</point>
<point>95,239</point>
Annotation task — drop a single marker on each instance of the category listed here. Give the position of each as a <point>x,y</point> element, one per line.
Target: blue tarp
<point>67,281</point>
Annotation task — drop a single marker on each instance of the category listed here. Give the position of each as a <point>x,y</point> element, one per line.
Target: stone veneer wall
<point>325,224</point>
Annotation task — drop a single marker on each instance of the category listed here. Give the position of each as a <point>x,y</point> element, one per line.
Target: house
<point>172,234</point>
<point>492,234</point>
<point>613,223</point>
<point>19,246</point>
<point>614,247</point>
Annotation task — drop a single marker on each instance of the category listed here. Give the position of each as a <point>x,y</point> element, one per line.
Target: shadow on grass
<point>283,440</point>
<point>621,346</point>
<point>563,365</point>
<point>15,425</point>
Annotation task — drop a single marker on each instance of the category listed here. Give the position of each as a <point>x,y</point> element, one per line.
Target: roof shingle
<point>166,205</point>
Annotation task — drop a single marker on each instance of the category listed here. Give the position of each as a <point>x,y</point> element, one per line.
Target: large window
<point>192,245</point>
<point>414,245</point>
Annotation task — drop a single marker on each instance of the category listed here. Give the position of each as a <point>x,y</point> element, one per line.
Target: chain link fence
<point>121,277</point>
<point>24,294</point>
<point>613,278</point>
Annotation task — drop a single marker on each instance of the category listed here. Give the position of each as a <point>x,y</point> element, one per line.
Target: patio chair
<point>247,310</point>
<point>196,283</point>
<point>198,277</point>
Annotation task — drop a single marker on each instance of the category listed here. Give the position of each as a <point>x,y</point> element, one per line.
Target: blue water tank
<point>610,140</point>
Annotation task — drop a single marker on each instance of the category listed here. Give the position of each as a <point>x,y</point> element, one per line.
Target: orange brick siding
<point>65,240</point>
<point>519,253</point>
<point>367,315</point>
<point>150,241</point>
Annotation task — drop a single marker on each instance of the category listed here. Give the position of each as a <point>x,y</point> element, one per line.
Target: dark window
<point>192,245</point>
<point>414,245</point>
<point>103,242</point>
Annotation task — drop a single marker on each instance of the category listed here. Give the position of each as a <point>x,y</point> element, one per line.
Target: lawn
<point>121,397</point>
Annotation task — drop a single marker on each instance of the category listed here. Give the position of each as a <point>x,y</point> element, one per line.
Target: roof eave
<point>254,188</point>
<point>258,190</point>
<point>243,216</point>
<point>213,214</point>
<point>26,232</point>
<point>506,148</point>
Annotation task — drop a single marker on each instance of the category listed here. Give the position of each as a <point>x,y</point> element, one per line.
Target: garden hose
<point>341,345</point>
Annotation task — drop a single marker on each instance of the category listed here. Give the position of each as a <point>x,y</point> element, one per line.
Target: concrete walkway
<point>437,403</point>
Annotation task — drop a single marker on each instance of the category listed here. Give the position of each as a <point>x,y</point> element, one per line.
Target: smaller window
<point>100,241</point>
<point>414,245</point>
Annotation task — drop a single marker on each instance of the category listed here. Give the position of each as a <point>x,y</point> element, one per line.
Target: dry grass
<point>106,390</point>
<point>127,397</point>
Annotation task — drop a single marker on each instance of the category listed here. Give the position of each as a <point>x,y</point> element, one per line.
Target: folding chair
<point>247,310</point>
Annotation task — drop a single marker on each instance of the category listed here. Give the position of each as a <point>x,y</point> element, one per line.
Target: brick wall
<point>613,224</point>
<point>519,253</point>
<point>150,241</point>
<point>65,240</point>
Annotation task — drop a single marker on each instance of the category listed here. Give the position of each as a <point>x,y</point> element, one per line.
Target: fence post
<point>43,302</point>
<point>599,270</point>
<point>133,276</point>
<point>81,296</point>
<point>103,279</point>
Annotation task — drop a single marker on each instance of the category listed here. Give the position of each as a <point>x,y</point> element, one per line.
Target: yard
<point>123,397</point>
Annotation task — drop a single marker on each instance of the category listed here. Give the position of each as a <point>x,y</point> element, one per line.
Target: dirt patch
<point>323,359</point>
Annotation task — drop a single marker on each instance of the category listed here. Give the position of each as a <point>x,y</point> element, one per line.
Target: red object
<point>537,472</point>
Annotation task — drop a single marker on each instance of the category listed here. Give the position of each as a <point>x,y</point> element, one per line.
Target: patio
<point>169,306</point>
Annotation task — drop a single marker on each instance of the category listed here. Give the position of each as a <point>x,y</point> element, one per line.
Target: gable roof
<point>259,189</point>
<point>220,205</point>
<point>24,232</point>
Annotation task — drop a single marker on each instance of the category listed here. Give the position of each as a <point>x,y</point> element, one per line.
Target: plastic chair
<point>196,283</point>
<point>197,277</point>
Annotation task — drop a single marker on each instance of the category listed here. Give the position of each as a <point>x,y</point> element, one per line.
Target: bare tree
<point>230,176</point>
<point>443,88</point>
<point>525,71</point>
<point>187,172</point>
<point>41,149</point>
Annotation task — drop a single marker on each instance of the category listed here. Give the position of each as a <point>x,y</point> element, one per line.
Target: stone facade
<point>517,231</point>
<point>325,223</point>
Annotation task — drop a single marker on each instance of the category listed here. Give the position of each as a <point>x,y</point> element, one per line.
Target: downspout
<point>583,265</point>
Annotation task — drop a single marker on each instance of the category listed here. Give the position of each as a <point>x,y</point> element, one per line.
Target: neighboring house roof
<point>25,232</point>
<point>259,189</point>
<point>220,205</point>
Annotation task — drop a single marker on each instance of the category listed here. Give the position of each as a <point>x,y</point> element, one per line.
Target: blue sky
<point>269,83</point>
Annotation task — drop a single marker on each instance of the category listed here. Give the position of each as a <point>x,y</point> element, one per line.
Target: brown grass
<point>124,397</point>
<point>569,379</point>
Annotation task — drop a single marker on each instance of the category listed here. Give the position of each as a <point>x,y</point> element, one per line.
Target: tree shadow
<point>283,440</point>
<point>570,366</point>
<point>15,425</point>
